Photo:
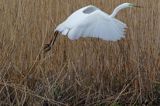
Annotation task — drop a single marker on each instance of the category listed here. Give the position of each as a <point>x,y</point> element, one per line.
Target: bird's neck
<point>116,10</point>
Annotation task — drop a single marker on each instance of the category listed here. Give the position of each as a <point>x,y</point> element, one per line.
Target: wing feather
<point>99,25</point>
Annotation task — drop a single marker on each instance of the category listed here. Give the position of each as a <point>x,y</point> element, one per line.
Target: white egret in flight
<point>91,21</point>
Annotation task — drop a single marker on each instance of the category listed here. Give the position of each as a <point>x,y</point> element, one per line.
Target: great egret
<point>90,21</point>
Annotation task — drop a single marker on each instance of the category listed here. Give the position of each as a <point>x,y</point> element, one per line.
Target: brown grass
<point>83,72</point>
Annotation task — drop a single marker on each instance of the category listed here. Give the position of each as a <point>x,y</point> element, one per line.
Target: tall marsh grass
<point>84,72</point>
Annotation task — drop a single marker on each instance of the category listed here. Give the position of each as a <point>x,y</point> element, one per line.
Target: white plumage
<point>90,21</point>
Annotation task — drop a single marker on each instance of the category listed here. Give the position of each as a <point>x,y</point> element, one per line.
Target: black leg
<point>47,47</point>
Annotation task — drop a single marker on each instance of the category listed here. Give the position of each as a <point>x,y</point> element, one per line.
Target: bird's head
<point>131,5</point>
<point>123,6</point>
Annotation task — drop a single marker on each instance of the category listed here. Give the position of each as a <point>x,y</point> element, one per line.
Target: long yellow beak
<point>137,6</point>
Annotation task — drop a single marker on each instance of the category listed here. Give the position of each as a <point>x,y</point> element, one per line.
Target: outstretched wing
<point>75,18</point>
<point>99,25</point>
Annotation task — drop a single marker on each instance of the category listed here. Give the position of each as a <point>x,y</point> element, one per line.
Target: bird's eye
<point>131,5</point>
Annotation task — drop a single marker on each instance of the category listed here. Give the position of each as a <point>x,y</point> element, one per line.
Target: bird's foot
<point>46,48</point>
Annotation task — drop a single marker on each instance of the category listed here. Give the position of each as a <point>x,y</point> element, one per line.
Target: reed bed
<point>85,72</point>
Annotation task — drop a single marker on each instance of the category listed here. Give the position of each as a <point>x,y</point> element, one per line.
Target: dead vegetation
<point>83,72</point>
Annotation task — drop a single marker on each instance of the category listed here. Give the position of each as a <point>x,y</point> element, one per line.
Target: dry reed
<point>83,72</point>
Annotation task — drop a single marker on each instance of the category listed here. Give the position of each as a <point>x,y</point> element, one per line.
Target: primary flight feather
<point>91,21</point>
